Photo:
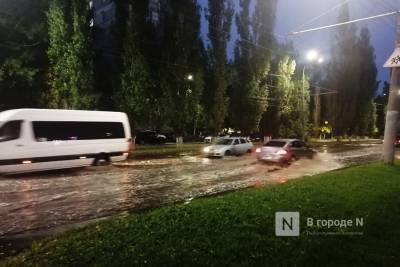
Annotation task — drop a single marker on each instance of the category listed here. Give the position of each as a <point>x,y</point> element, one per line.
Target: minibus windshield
<point>10,131</point>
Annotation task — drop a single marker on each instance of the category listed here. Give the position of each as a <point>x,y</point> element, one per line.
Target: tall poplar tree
<point>182,58</point>
<point>263,24</point>
<point>219,16</point>
<point>381,103</point>
<point>252,64</point>
<point>365,121</point>
<point>292,98</point>
<point>343,76</point>
<point>23,44</point>
<point>132,95</point>
<point>70,77</point>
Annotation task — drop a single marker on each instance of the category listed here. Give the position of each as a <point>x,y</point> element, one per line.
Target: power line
<point>313,85</point>
<point>322,14</point>
<point>345,23</point>
<point>382,4</point>
<point>328,93</point>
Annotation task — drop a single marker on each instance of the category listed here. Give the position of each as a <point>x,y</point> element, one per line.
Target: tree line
<point>174,74</point>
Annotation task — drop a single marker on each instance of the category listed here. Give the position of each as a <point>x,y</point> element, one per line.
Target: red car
<point>283,151</point>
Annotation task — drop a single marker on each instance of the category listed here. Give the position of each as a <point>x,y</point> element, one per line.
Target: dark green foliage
<point>250,89</point>
<point>132,96</point>
<point>343,73</point>
<point>365,122</point>
<point>132,92</point>
<point>237,229</point>
<point>352,73</point>
<point>381,102</point>
<point>23,41</point>
<point>249,94</point>
<point>263,24</point>
<point>145,66</point>
<point>292,97</point>
<point>219,18</point>
<point>182,74</point>
<point>70,77</point>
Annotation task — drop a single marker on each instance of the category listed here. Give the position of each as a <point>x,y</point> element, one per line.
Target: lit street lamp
<point>311,56</point>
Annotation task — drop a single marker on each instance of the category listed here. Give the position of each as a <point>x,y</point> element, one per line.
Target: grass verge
<point>237,229</point>
<point>168,150</point>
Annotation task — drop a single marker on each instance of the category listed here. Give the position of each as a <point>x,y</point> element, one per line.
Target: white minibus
<point>45,139</point>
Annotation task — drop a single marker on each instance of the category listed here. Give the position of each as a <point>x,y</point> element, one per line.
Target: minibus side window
<point>46,131</point>
<point>10,131</point>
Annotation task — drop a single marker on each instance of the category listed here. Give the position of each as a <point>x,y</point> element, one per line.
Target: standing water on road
<point>37,204</point>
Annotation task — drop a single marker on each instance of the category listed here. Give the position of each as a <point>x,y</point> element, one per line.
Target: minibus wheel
<point>101,160</point>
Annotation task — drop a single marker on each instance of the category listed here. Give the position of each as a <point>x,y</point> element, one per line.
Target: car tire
<point>228,153</point>
<point>102,160</point>
<point>249,151</point>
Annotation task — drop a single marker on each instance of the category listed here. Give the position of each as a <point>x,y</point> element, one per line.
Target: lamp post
<point>190,78</point>
<point>311,56</point>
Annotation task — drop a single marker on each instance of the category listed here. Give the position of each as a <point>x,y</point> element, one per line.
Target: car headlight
<point>206,149</point>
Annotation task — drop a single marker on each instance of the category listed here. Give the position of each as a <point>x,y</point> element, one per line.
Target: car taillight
<point>281,152</point>
<point>131,146</point>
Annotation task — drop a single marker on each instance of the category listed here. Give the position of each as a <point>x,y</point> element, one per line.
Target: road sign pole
<point>393,108</point>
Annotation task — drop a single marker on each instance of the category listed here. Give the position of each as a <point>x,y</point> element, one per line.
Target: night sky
<point>293,13</point>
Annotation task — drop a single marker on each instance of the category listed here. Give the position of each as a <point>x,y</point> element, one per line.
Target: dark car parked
<point>283,151</point>
<point>150,138</point>
<point>256,137</point>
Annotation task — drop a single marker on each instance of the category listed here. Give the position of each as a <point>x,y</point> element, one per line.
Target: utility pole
<point>393,108</point>
<point>303,119</point>
<point>317,111</point>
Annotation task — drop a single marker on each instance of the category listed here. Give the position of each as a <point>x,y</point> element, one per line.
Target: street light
<point>312,55</point>
<point>190,77</point>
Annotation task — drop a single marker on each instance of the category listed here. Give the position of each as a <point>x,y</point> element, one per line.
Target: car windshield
<point>275,144</point>
<point>224,142</point>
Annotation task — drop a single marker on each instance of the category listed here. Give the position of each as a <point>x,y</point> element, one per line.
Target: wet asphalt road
<point>36,205</point>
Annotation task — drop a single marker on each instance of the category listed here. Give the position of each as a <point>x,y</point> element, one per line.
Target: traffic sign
<point>394,59</point>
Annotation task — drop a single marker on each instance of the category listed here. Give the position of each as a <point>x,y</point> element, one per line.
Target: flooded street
<point>36,205</point>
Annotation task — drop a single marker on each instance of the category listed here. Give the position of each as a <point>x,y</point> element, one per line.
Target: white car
<point>208,139</point>
<point>229,146</point>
